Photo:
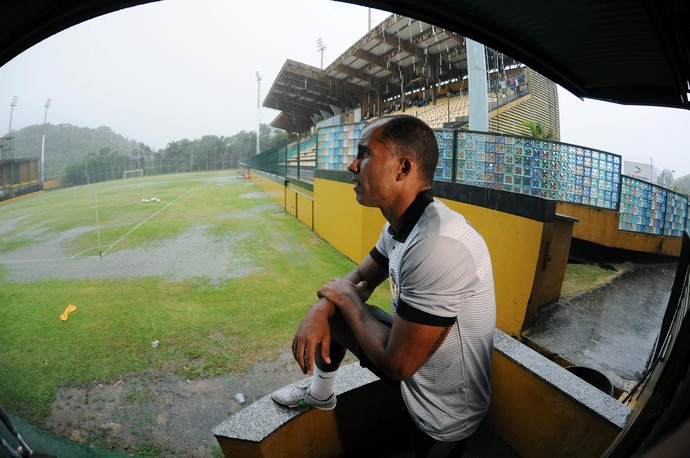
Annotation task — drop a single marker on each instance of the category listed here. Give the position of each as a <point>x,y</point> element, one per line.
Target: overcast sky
<point>186,68</point>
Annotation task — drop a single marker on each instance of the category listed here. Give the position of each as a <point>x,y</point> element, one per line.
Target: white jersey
<point>440,274</point>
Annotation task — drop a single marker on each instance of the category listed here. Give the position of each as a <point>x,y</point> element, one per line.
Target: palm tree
<point>538,130</point>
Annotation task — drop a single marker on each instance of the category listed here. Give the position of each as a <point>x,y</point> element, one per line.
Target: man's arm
<point>435,269</point>
<point>368,271</point>
<point>398,351</point>
<point>314,328</point>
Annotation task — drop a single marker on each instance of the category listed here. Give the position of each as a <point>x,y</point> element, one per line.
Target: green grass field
<point>206,326</point>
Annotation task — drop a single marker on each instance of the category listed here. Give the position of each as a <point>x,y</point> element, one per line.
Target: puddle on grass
<point>192,254</point>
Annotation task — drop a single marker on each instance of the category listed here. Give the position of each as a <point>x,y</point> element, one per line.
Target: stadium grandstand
<point>17,176</point>
<point>406,65</point>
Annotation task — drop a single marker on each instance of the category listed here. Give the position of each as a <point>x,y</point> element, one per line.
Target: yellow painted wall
<point>339,219</point>
<point>601,226</point>
<point>366,419</point>
<point>312,434</point>
<point>305,210</point>
<point>551,266</point>
<point>51,184</point>
<point>514,243</point>
<point>291,202</point>
<point>303,203</point>
<point>538,420</point>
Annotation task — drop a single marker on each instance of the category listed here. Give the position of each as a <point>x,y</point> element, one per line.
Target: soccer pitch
<point>175,226</point>
<point>216,272</point>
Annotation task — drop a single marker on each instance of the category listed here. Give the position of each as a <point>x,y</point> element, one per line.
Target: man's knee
<point>336,355</point>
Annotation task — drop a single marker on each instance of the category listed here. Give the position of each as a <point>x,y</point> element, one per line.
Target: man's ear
<point>405,167</point>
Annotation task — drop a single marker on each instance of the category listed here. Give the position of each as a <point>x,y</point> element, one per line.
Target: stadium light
<point>258,112</point>
<point>320,47</point>
<point>12,105</point>
<point>43,141</point>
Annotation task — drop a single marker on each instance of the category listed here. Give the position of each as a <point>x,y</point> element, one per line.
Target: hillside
<point>67,144</point>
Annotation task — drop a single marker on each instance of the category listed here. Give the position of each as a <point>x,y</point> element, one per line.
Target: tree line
<point>79,155</point>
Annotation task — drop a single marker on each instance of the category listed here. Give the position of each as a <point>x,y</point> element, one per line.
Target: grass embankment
<point>583,278</point>
<point>204,328</point>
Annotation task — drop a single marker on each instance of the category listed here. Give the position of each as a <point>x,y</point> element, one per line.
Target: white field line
<point>129,232</point>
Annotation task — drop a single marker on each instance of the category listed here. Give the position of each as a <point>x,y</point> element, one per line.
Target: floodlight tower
<point>320,47</point>
<point>12,105</point>
<point>43,141</point>
<point>258,111</point>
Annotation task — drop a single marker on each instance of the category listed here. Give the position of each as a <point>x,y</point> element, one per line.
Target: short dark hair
<point>407,135</point>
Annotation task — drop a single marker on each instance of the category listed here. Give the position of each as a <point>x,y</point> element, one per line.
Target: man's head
<point>396,159</point>
<point>407,136</point>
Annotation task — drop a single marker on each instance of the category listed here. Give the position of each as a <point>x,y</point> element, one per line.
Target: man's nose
<point>354,165</point>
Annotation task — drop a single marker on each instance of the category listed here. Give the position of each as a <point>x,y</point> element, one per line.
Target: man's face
<point>375,170</point>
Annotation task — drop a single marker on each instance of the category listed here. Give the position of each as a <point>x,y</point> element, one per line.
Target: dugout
<point>18,177</point>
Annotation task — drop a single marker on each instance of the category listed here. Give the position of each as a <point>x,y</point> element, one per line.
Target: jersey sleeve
<point>437,274</point>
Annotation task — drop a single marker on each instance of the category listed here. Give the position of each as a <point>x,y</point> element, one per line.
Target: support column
<point>478,89</point>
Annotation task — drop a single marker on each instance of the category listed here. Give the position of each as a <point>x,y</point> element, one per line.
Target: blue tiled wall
<point>543,168</point>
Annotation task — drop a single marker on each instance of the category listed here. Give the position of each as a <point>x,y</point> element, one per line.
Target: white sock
<point>322,384</point>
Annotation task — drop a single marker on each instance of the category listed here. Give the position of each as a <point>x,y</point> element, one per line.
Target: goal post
<point>138,173</point>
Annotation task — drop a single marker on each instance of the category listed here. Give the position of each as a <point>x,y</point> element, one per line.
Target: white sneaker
<point>299,396</point>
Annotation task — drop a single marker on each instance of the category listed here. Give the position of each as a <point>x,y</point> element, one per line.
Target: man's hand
<point>312,331</point>
<point>342,292</point>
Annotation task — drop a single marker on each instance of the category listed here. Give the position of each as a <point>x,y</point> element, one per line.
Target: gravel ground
<point>159,414</point>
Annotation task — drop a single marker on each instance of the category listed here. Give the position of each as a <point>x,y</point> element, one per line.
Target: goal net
<point>138,173</point>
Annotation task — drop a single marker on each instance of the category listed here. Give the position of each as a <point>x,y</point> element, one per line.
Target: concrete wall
<point>537,407</point>
<point>542,410</point>
<point>600,226</point>
<point>551,266</point>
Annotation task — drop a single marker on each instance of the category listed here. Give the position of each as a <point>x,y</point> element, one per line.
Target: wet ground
<point>612,329</point>
<point>194,253</point>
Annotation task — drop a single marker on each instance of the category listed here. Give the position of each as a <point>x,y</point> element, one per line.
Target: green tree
<point>538,130</point>
<point>142,154</point>
<point>73,175</point>
<point>272,138</point>
<point>242,145</point>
